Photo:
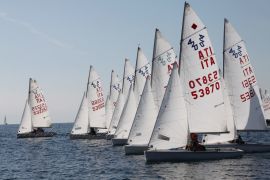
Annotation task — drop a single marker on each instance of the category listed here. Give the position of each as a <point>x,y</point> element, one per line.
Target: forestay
<point>242,85</point>
<point>171,128</point>
<point>200,73</point>
<point>26,122</point>
<point>96,101</point>
<point>81,124</point>
<point>39,109</point>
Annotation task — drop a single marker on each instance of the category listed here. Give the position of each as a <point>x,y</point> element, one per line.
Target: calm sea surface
<point>62,158</point>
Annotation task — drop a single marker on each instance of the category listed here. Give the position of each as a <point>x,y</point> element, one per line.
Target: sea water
<point>61,158</point>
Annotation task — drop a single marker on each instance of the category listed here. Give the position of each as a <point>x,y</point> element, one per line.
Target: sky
<point>56,41</point>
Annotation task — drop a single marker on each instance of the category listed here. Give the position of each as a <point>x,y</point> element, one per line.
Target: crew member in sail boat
<point>194,144</point>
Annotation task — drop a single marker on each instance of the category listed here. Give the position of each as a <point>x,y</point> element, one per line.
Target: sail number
<point>205,80</point>
<point>247,95</point>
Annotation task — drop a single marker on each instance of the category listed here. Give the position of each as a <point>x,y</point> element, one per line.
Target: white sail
<point>115,88</point>
<point>226,137</point>
<point>39,109</point>
<point>96,101</point>
<point>109,108</point>
<point>163,58</point>
<point>81,124</point>
<point>145,118</point>
<point>142,71</point>
<point>241,82</point>
<point>128,79</point>
<point>127,116</point>
<point>201,78</point>
<point>26,122</point>
<point>171,128</point>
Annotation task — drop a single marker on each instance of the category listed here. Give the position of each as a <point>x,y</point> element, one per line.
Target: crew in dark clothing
<point>194,144</point>
<point>239,140</point>
<point>38,130</point>
<point>92,131</point>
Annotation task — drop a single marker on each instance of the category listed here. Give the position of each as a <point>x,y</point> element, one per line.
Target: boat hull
<point>153,156</point>
<point>87,136</point>
<point>119,142</point>
<point>109,136</point>
<point>247,148</point>
<point>36,135</point>
<point>135,149</point>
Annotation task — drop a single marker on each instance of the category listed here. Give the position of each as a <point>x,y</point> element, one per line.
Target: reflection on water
<point>62,158</point>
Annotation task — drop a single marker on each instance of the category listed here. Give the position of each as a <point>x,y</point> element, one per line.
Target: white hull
<point>191,156</point>
<point>247,148</point>
<point>135,149</point>
<point>119,142</point>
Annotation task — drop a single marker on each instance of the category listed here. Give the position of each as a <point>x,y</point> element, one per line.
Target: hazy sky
<point>55,42</point>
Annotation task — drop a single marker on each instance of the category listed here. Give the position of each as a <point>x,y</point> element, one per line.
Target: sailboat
<point>142,70</point>
<point>247,110</point>
<point>170,135</point>
<point>144,121</point>
<point>35,115</point>
<point>91,114</point>
<point>128,79</point>
<point>5,121</point>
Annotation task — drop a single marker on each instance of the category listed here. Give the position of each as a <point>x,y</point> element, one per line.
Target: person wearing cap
<point>194,144</point>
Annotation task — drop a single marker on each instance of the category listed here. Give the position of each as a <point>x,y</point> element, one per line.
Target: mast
<point>136,66</point>
<point>154,50</point>
<point>183,21</point>
<point>124,75</point>
<point>111,84</point>
<point>88,79</point>
<point>223,72</point>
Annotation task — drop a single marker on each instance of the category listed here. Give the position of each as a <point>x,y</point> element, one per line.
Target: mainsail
<point>201,78</point>
<point>26,122</point>
<point>115,88</point>
<point>39,109</point>
<point>171,128</point>
<point>96,101</point>
<point>128,79</point>
<point>241,82</point>
<point>81,124</point>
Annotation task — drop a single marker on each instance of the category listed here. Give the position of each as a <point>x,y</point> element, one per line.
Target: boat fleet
<point>157,109</point>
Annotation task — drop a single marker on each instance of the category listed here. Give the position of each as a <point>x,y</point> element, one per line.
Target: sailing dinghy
<point>145,118</point>
<point>91,114</point>
<point>142,70</point>
<point>35,115</point>
<point>5,121</point>
<point>200,108</point>
<point>170,135</point>
<point>242,86</point>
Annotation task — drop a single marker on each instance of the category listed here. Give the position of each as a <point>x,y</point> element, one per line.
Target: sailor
<point>194,144</point>
<point>92,131</point>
